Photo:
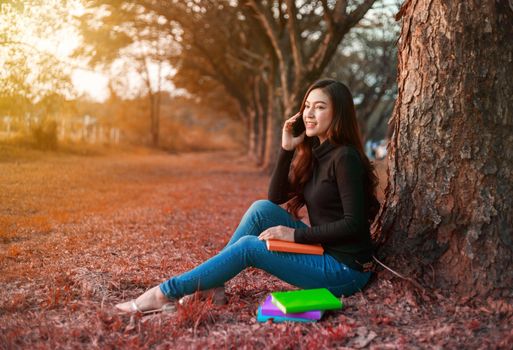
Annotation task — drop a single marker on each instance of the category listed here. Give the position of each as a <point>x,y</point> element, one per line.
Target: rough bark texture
<point>448,207</point>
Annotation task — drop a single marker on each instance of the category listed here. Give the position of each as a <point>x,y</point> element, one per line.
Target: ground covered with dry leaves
<point>79,233</point>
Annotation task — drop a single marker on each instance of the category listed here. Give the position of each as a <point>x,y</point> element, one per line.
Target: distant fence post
<point>7,122</point>
<point>62,131</point>
<point>114,135</point>
<point>100,134</point>
<point>85,128</point>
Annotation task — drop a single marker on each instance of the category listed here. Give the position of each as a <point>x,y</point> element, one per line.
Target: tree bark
<point>273,133</point>
<point>261,122</point>
<point>448,206</point>
<point>252,135</point>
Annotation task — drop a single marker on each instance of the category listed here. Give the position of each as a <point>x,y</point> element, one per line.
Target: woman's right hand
<point>288,141</point>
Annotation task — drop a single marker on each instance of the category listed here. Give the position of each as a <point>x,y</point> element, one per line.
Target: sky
<point>30,25</point>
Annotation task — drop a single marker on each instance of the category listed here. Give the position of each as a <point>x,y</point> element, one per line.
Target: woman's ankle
<point>216,294</point>
<point>152,298</point>
<point>161,296</point>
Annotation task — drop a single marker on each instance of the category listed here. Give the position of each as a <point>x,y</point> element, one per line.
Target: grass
<point>80,233</point>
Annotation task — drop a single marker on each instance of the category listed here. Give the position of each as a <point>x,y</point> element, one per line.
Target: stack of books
<point>306,305</point>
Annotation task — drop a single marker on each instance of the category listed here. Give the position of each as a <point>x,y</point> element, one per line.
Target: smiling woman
<point>337,185</point>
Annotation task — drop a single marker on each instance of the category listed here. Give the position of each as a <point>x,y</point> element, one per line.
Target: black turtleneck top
<point>335,200</point>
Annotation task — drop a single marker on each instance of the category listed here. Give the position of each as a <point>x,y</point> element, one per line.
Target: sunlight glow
<point>92,84</point>
<point>46,35</point>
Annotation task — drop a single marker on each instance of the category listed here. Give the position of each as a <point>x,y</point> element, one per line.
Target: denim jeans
<point>245,249</point>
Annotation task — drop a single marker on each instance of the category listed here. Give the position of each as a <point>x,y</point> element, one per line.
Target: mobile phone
<point>298,127</point>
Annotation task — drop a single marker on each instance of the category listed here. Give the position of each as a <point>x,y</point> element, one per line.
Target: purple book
<point>269,309</point>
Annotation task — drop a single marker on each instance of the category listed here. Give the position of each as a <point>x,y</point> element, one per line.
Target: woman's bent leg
<point>261,215</point>
<point>302,270</point>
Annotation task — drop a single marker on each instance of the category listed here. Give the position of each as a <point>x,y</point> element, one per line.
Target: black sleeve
<point>348,172</point>
<point>279,185</point>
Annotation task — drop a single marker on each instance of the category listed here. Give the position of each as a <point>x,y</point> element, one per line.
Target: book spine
<point>279,305</point>
<point>314,315</point>
<point>278,319</point>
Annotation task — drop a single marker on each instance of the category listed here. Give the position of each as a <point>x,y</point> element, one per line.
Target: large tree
<point>448,208</point>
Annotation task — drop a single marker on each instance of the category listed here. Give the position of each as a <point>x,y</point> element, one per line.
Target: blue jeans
<point>245,249</point>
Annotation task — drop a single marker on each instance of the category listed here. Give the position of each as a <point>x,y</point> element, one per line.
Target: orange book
<point>277,245</point>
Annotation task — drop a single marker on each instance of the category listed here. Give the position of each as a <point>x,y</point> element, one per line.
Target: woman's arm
<point>279,185</point>
<point>349,177</point>
<point>279,188</point>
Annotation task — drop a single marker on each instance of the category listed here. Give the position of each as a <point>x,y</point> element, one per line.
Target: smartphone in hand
<point>298,127</point>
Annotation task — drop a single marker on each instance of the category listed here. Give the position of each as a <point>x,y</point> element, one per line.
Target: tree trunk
<point>154,119</point>
<point>155,127</point>
<point>156,110</point>
<point>273,131</point>
<point>448,207</point>
<point>262,119</point>
<point>259,123</point>
<point>252,134</point>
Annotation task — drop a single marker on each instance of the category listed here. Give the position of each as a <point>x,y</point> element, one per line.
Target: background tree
<point>304,36</point>
<point>30,70</point>
<point>366,60</point>
<point>150,52</point>
<point>285,65</point>
<point>448,201</point>
<point>130,42</point>
<point>35,78</point>
<point>214,64</point>
<point>221,62</point>
<point>261,55</point>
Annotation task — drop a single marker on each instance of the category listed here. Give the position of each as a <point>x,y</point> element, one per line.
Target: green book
<point>306,300</point>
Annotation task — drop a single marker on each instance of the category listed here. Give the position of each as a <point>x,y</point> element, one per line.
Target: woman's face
<point>318,114</point>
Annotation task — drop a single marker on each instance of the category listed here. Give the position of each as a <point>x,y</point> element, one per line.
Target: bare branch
<point>224,78</point>
<point>294,37</point>
<point>320,53</point>
<point>266,20</point>
<point>355,16</point>
<point>330,40</point>
<point>244,63</point>
<point>328,17</point>
<point>339,12</point>
<point>413,281</point>
<point>281,16</point>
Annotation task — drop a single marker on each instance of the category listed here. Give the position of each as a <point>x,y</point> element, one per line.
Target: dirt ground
<point>79,233</point>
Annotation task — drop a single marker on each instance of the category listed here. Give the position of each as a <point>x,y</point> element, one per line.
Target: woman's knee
<point>250,248</point>
<point>249,242</point>
<point>262,206</point>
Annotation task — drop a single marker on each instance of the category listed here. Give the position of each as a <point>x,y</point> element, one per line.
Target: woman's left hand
<point>283,233</point>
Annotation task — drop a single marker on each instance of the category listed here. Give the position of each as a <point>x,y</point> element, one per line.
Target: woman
<point>325,168</point>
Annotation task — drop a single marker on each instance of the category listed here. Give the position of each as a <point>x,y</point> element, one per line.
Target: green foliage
<point>31,70</point>
<point>45,134</point>
<point>103,32</point>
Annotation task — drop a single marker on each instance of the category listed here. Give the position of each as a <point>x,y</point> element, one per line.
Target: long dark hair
<point>343,130</point>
